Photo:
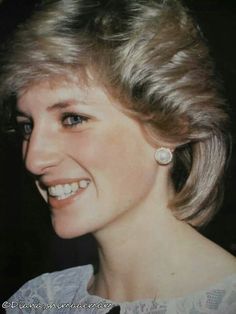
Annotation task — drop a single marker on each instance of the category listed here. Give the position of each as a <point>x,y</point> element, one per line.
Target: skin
<point>125,205</point>
<point>109,149</point>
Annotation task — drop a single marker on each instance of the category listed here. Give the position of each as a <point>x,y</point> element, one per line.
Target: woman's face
<point>91,162</point>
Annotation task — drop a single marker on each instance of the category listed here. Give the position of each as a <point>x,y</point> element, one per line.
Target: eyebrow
<point>19,113</point>
<point>61,105</point>
<point>57,106</point>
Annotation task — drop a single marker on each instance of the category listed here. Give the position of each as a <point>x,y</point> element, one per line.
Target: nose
<point>41,152</point>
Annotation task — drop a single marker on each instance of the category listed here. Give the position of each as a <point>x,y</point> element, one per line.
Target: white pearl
<point>163,156</point>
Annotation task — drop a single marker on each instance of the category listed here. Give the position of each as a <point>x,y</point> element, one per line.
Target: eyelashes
<point>67,120</point>
<point>71,120</point>
<point>24,129</point>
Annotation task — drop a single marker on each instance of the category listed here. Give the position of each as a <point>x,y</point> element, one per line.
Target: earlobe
<point>163,156</point>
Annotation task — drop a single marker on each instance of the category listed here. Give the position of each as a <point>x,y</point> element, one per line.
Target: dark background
<point>28,245</point>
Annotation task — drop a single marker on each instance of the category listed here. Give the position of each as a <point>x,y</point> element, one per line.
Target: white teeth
<point>59,190</point>
<point>62,197</point>
<point>83,184</point>
<point>52,191</point>
<point>74,186</point>
<point>66,190</point>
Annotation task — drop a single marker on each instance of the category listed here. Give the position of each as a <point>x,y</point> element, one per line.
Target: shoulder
<point>52,287</point>
<point>210,262</point>
<point>219,264</point>
<point>223,294</point>
<point>216,299</point>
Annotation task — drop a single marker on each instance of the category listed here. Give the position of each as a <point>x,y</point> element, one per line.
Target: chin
<point>66,230</point>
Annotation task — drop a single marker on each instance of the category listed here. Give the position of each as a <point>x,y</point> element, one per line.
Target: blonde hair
<point>150,52</point>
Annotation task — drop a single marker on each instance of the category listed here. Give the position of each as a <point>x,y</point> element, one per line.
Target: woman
<point>125,134</point>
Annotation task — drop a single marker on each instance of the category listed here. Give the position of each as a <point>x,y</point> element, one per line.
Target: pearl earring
<point>163,156</point>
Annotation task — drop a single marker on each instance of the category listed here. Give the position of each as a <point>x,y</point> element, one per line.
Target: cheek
<point>94,150</point>
<point>113,155</point>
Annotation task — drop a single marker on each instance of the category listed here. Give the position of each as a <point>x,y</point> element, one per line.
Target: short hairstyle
<point>150,54</point>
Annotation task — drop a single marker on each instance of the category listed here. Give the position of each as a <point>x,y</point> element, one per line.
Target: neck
<point>138,252</point>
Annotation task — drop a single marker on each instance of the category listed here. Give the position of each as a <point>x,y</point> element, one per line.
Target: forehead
<point>82,77</point>
<point>52,83</point>
<point>56,92</point>
<point>59,89</point>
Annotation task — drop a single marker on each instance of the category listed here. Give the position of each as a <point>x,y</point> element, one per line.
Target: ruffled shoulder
<point>217,299</point>
<point>48,289</point>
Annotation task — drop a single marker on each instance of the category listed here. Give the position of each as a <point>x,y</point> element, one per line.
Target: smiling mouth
<point>64,191</point>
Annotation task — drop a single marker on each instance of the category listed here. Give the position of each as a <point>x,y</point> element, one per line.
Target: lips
<point>66,190</point>
<point>61,193</point>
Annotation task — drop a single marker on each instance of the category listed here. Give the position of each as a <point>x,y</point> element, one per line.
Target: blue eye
<point>70,119</point>
<point>25,129</point>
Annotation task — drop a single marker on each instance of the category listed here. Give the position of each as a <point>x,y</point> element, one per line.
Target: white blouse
<point>66,292</point>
